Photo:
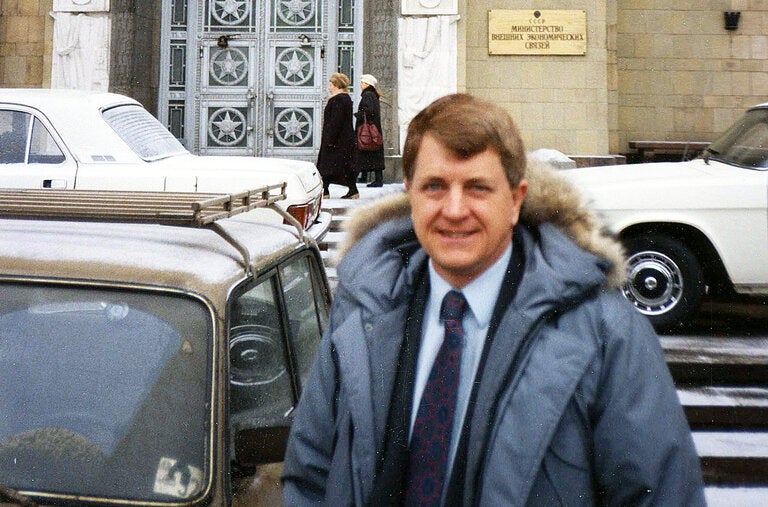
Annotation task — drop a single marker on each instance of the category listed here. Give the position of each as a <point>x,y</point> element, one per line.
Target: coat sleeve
<point>643,450</point>
<point>310,449</point>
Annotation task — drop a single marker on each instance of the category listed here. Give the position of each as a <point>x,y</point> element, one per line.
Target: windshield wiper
<point>11,495</point>
<point>707,152</point>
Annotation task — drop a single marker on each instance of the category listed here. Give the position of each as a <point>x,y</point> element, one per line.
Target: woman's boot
<point>378,179</point>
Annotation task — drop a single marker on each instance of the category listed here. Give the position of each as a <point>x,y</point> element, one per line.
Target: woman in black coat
<point>369,108</point>
<point>338,142</point>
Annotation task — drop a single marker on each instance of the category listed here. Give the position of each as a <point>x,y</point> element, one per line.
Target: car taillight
<point>306,213</point>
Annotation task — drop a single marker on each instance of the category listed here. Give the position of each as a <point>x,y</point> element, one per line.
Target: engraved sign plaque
<point>537,32</point>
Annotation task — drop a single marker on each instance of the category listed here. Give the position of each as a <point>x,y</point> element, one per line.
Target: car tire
<point>665,280</point>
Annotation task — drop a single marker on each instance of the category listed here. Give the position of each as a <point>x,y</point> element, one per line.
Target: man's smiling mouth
<point>456,234</point>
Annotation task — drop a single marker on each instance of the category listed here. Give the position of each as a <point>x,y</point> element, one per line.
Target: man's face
<point>463,211</point>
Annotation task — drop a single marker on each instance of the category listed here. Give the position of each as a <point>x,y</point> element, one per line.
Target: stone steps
<point>733,457</point>
<point>723,387</point>
<point>737,408</point>
<point>734,361</point>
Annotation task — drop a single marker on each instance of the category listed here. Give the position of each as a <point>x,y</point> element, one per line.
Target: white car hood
<point>638,186</point>
<point>210,169</point>
<point>192,173</point>
<point>633,173</point>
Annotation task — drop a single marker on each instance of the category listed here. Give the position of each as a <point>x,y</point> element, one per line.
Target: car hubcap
<point>655,283</point>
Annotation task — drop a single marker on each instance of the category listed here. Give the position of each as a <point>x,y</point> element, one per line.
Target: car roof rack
<point>190,209</point>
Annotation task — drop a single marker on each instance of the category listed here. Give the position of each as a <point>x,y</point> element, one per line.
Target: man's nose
<point>455,205</point>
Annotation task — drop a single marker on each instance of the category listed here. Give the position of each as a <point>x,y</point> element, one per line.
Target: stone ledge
<point>597,160</point>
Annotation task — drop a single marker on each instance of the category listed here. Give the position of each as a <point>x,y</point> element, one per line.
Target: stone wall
<point>26,46</point>
<point>682,76</point>
<point>559,102</point>
<point>26,32</point>
<point>654,69</point>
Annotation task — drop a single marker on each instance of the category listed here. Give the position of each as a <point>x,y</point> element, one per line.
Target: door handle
<point>55,184</point>
<point>251,96</point>
<point>270,131</point>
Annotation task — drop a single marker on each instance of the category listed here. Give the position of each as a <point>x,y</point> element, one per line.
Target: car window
<point>307,310</point>
<point>103,392</point>
<point>275,328</point>
<point>43,149</point>
<point>14,134</point>
<point>14,129</point>
<point>261,392</point>
<point>146,136</point>
<point>745,143</point>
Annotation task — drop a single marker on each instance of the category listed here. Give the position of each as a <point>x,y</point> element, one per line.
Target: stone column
<point>380,59</point>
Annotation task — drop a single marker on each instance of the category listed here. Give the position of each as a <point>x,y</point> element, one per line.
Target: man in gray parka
<point>532,382</point>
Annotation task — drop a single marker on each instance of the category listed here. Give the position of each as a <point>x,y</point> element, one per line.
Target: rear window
<point>146,136</point>
<point>104,393</point>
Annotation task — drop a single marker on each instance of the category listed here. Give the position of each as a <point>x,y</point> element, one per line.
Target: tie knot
<point>453,307</point>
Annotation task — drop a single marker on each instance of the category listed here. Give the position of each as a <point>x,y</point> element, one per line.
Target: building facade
<point>250,76</point>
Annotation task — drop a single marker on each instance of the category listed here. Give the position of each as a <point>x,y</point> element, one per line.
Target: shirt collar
<point>481,293</point>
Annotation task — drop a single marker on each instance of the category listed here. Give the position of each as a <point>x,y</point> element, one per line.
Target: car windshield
<point>142,132</point>
<point>104,393</point>
<point>745,143</point>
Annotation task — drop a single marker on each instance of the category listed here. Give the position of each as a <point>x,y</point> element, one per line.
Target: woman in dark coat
<point>369,107</point>
<point>338,141</point>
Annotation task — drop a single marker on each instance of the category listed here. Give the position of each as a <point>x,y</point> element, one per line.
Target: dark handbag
<point>368,136</point>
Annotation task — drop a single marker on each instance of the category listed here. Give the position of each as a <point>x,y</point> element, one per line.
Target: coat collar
<point>551,200</point>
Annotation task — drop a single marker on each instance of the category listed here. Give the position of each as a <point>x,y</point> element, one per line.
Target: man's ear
<point>407,184</point>
<point>520,191</point>
<point>518,196</point>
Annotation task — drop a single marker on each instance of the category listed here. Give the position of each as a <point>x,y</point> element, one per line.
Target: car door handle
<point>54,183</point>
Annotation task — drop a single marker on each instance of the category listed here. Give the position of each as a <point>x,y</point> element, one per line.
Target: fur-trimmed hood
<point>550,199</point>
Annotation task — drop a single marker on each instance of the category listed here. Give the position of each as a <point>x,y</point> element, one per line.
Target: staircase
<point>341,211</point>
<point>723,387</point>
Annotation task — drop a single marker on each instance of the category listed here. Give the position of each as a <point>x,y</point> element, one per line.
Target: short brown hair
<point>467,126</point>
<point>339,80</point>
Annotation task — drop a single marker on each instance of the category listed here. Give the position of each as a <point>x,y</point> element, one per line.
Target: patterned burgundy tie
<point>431,437</point>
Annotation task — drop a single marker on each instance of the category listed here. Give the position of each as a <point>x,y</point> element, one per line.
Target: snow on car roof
<point>190,259</point>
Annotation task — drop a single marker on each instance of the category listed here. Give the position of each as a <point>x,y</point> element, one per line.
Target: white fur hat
<point>369,80</point>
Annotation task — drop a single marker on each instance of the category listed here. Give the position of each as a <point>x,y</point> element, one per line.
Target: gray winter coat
<point>589,416</point>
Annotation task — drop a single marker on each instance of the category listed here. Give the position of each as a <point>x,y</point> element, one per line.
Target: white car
<point>69,139</point>
<point>689,227</point>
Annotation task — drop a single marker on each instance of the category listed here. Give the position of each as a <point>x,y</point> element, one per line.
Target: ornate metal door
<point>258,73</point>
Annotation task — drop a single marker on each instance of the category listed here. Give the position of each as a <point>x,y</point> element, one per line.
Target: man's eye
<point>432,186</point>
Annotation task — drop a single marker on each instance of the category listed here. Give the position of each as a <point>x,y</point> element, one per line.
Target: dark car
<point>151,350</point>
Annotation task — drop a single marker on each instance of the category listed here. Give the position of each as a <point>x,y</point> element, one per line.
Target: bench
<point>686,149</point>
